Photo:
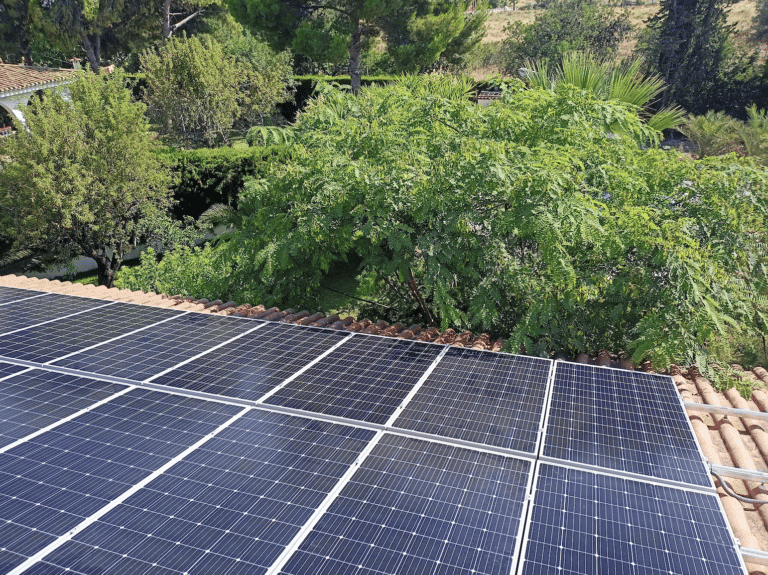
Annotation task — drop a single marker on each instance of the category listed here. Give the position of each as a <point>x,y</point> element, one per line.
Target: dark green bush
<point>210,176</point>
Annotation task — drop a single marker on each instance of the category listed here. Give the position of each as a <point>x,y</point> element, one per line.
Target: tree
<point>425,33</point>
<point>760,21</point>
<point>685,42</point>
<point>624,83</point>
<point>83,178</point>
<point>326,31</point>
<point>15,31</point>
<point>564,26</point>
<point>195,91</point>
<point>526,219</point>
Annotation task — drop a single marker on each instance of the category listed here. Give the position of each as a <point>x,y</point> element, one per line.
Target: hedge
<point>209,176</point>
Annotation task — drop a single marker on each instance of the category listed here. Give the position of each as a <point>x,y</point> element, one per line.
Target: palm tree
<point>607,81</point>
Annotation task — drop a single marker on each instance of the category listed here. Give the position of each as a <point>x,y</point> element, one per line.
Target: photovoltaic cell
<point>483,397</point>
<point>50,483</point>
<point>157,348</point>
<point>587,523</point>
<point>12,294</point>
<point>36,399</point>
<point>7,369</point>
<point>46,342</point>
<point>624,420</point>
<point>365,379</point>
<point>420,507</point>
<point>252,365</point>
<point>25,313</point>
<point>230,507</point>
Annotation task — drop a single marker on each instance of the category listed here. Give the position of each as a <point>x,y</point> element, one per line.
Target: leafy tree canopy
<point>418,31</point>
<point>194,91</point>
<point>530,218</point>
<point>564,26</point>
<point>686,42</point>
<point>83,179</point>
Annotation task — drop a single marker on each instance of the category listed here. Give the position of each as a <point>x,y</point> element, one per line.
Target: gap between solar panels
<point>565,439</point>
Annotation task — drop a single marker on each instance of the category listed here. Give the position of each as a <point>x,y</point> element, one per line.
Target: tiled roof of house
<point>725,440</point>
<point>19,77</point>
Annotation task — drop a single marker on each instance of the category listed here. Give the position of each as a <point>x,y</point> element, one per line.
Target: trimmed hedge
<point>209,176</point>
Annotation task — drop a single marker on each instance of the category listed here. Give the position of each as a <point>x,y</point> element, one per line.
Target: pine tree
<point>685,42</point>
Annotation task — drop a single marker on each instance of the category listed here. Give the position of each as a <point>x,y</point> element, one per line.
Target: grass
<point>739,13</point>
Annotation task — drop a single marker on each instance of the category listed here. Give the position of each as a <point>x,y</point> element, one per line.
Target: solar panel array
<point>144,440</point>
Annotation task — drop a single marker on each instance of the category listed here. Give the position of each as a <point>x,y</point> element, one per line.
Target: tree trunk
<point>166,19</point>
<point>354,54</point>
<point>26,53</point>
<point>107,269</point>
<point>93,52</point>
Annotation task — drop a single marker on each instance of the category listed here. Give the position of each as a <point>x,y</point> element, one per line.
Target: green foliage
<point>417,33</point>
<point>686,43</point>
<point>428,34</point>
<point>84,176</point>
<point>754,134</point>
<point>526,218</point>
<point>186,271</point>
<point>210,176</point>
<point>716,134</point>
<point>713,134</point>
<point>196,92</point>
<point>760,22</point>
<point>565,26</point>
<point>623,83</point>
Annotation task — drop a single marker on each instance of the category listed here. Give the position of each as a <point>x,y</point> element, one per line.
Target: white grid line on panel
<point>288,380</point>
<point>24,298</point>
<point>123,496</point>
<point>57,318</point>
<point>207,351</point>
<point>415,389</point>
<point>66,419</point>
<point>602,472</point>
<point>114,338</point>
<point>320,511</point>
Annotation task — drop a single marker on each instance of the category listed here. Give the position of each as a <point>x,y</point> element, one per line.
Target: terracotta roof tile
<point>18,77</point>
<point>728,441</point>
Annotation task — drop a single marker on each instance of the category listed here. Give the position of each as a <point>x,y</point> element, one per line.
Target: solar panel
<point>146,353</point>
<point>482,397</point>
<point>623,420</point>
<point>229,507</point>
<point>415,506</point>
<point>52,482</point>
<point>7,369</point>
<point>365,379</point>
<point>254,364</point>
<point>53,340</point>
<point>8,294</point>
<point>589,523</point>
<point>36,399</point>
<point>28,312</point>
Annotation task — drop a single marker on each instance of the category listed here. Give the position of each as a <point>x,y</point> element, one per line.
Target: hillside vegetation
<point>740,14</point>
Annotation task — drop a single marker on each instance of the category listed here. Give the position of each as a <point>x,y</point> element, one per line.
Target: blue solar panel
<point>7,369</point>
<point>490,398</point>
<point>141,355</point>
<point>28,312</point>
<point>50,483</point>
<point>587,523</point>
<point>56,339</point>
<point>624,420</point>
<point>252,365</point>
<point>366,378</point>
<point>36,399</point>
<point>8,294</point>
<point>229,507</point>
<point>420,507</point>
